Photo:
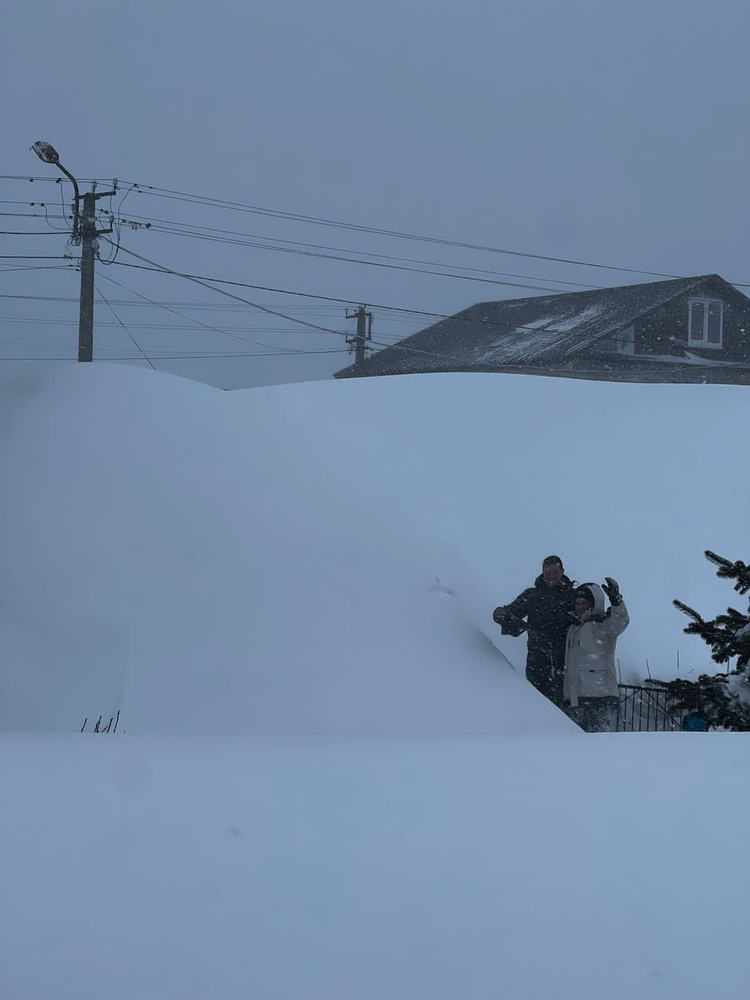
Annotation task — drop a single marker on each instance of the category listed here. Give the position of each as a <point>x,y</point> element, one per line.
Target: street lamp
<point>85,233</point>
<point>48,154</point>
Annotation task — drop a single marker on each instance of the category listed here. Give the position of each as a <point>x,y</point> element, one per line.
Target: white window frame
<point>702,341</point>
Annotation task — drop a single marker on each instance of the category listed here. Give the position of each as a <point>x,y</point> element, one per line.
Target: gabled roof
<point>538,330</point>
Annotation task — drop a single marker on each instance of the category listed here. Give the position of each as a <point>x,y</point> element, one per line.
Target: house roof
<point>541,329</point>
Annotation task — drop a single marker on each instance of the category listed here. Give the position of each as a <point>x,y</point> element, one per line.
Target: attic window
<point>705,322</point>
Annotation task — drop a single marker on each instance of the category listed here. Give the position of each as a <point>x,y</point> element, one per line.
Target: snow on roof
<point>549,328</point>
<point>536,336</point>
<point>580,319</point>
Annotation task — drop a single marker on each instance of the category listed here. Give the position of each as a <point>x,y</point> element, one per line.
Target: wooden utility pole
<point>88,234</point>
<point>364,333</point>
<point>85,234</point>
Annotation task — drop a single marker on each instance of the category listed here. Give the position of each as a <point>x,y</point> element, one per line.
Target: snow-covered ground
<point>522,867</point>
<point>329,780</point>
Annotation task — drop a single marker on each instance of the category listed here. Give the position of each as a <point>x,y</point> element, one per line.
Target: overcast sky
<point>613,132</point>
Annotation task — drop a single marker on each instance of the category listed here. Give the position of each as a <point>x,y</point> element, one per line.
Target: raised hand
<point>612,590</point>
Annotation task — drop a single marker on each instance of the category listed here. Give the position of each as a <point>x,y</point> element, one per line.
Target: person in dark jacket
<point>544,612</point>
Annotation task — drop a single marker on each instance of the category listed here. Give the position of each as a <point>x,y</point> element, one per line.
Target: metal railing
<point>647,710</point>
<point>100,727</point>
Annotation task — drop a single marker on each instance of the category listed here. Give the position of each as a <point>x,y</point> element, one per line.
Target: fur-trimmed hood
<point>598,611</point>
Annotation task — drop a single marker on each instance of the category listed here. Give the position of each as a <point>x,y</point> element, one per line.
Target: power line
<point>231,295</point>
<point>48,321</point>
<point>29,215</point>
<point>286,291</point>
<point>192,319</point>
<point>116,221</point>
<point>47,180</point>
<point>188,357</point>
<point>158,226</point>
<point>111,309</point>
<point>55,347</point>
<point>370,263</point>
<point>62,205</point>
<point>159,269</point>
<point>17,232</point>
<point>40,204</point>
<point>43,267</point>
<point>174,195</point>
<point>224,204</point>
<point>200,306</point>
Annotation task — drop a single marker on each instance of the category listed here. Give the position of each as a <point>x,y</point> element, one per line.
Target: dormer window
<point>705,322</point>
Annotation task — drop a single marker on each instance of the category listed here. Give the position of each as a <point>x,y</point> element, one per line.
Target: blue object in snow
<point>694,723</point>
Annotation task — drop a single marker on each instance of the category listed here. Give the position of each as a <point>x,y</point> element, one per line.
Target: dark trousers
<point>595,715</point>
<point>545,669</point>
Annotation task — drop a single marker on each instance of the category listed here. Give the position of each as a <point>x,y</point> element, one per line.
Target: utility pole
<point>88,235</point>
<point>358,342</point>
<point>84,233</point>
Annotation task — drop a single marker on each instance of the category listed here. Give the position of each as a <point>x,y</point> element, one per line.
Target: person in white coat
<point>590,689</point>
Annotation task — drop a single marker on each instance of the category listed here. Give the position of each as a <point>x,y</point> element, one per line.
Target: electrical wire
<point>48,179</point>
<point>197,322</point>
<point>116,222</point>
<point>35,233</point>
<point>165,269</point>
<point>43,205</point>
<point>174,327</point>
<point>288,291</point>
<point>29,215</point>
<point>55,228</point>
<point>231,295</point>
<point>62,203</point>
<point>224,204</point>
<point>56,347</point>
<point>203,306</point>
<point>171,194</point>
<point>111,309</point>
<point>188,357</point>
<point>206,233</point>
<point>45,267</point>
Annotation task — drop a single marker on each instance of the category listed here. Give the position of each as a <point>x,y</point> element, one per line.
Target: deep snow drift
<point>263,564</point>
<point>264,561</point>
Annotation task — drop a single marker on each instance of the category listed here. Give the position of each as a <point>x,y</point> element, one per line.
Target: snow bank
<point>527,868</point>
<point>264,561</point>
<point>319,561</point>
<point>208,563</point>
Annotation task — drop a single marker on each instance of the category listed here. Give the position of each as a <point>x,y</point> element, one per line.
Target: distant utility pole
<point>85,233</point>
<point>364,333</point>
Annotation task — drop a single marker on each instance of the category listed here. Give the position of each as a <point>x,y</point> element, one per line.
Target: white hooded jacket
<point>590,651</point>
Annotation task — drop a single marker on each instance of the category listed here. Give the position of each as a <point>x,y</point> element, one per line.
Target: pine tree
<point>723,699</point>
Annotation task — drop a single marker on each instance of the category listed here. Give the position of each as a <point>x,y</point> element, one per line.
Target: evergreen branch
<point>689,612</point>
<point>717,560</point>
<point>727,570</point>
